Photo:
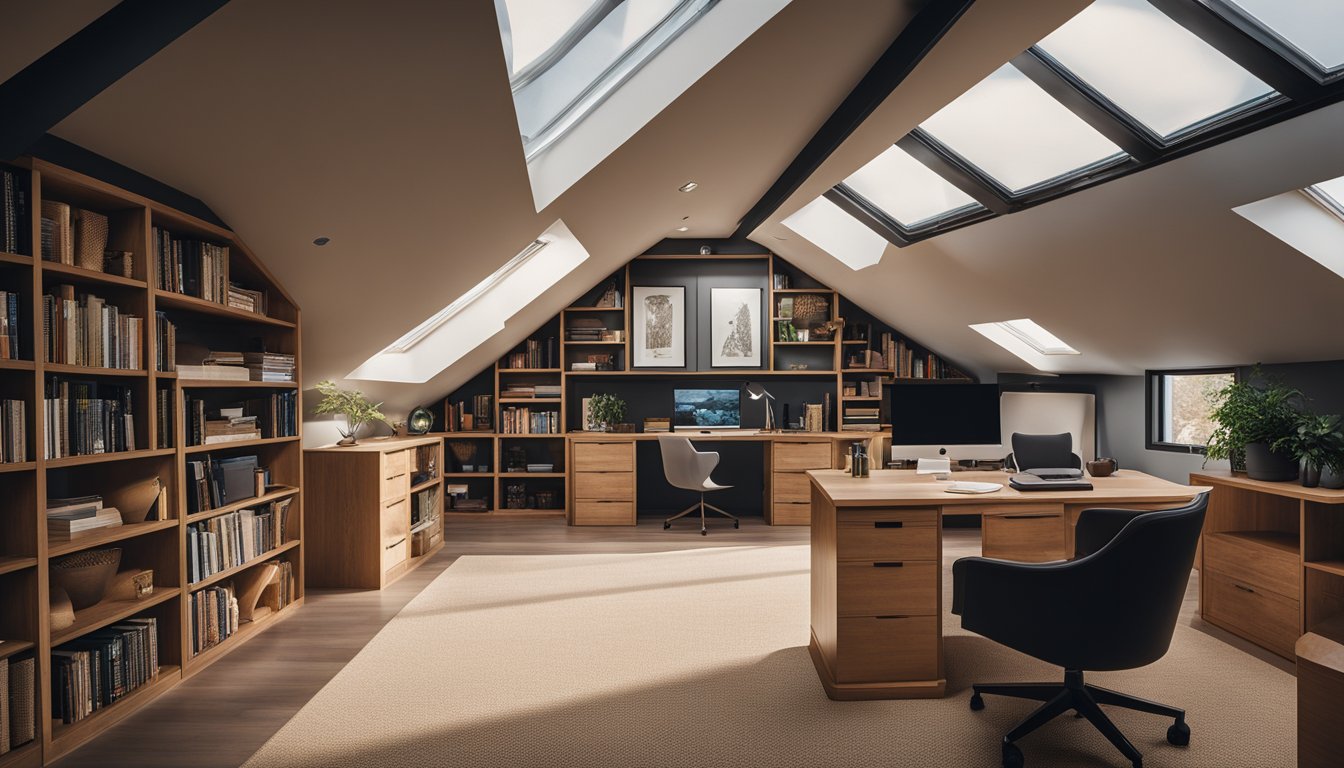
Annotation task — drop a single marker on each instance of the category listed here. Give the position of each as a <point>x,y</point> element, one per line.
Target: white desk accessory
<point>939,468</point>
<point>968,486</point>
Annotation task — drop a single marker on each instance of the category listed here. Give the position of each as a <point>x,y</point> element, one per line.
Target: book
<point>63,528</point>
<point>13,431</point>
<point>14,213</point>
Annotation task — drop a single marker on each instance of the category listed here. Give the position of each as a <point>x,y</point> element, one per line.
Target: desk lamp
<point>757,392</point>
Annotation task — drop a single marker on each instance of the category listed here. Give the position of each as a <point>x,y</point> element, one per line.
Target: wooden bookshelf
<point>26,554</point>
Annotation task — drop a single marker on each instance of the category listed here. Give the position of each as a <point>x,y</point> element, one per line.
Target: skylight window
<point>479,313</point>
<point>1152,68</point>
<point>844,237</point>
<point>536,31</point>
<point>908,191</point>
<point>1026,339</point>
<point>1018,135</point>
<point>1308,30</point>
<point>1330,194</point>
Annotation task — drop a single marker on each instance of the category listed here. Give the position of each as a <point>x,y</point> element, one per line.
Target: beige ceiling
<point>388,127</point>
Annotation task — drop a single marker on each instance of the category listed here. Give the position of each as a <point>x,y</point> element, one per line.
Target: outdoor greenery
<point>351,404</point>
<point>606,410</point>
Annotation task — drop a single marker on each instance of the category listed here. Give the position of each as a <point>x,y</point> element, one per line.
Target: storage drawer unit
<point>602,482</point>
<point>790,489</point>
<point>1266,617</point>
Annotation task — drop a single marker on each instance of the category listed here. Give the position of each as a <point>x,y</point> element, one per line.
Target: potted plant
<point>605,412</point>
<point>1252,422</point>
<point>351,404</point>
<point>1318,444</point>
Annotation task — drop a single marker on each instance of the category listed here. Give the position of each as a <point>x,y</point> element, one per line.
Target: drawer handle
<point>1028,517</point>
<point>888,565</point>
<point>1244,588</point>
<point>895,616</point>
<point>396,543</point>
<point>888,524</point>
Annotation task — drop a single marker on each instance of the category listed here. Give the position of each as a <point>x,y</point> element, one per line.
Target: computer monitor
<point>706,408</point>
<point>957,421</point>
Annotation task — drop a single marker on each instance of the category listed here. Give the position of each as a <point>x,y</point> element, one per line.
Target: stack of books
<point>214,372</point>
<point>273,415</point>
<point>231,426</point>
<point>69,518</point>
<point>269,366</point>
<point>657,424</point>
<point>192,267</point>
<point>87,417</point>
<point>14,220</point>
<point>595,362</point>
<point>165,343</point>
<point>585,329</point>
<point>861,420</point>
<point>88,331</point>
<point>9,325</point>
<point>13,431</point>
<point>246,299</point>
<point>103,667</point>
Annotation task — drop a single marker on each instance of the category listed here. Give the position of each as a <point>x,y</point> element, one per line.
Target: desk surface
<point>903,487</point>
<point>726,434</point>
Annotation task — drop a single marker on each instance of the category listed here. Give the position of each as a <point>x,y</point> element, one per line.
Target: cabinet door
<point>1031,535</point>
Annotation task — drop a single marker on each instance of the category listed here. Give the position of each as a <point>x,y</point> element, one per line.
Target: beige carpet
<point>698,658</point>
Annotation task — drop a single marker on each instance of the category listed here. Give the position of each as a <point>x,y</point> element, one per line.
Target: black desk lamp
<point>757,392</point>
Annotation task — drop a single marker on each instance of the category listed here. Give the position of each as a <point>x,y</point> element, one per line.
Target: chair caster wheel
<point>737,524</point>
<point>666,526</point>
<point>1179,735</point>
<point>977,703</point>
<point>1012,756</point>
<point>704,532</point>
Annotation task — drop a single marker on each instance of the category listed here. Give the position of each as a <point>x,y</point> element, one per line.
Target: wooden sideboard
<point>877,565</point>
<point>364,529</point>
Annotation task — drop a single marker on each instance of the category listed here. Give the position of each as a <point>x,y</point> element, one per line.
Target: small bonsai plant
<point>351,404</point>
<point>1318,443</point>
<point>1256,416</point>
<point>605,411</point>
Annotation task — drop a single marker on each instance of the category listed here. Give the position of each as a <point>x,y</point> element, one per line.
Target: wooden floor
<point>219,718</point>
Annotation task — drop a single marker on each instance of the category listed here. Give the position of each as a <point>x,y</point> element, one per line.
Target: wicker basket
<point>85,576</point>
<point>810,311</point>
<point>90,239</point>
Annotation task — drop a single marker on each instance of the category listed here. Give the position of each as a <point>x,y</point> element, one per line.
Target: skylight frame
<point>1017,341</point>
<point>1266,36</point>
<point>850,196</point>
<point>597,11</point>
<point>1321,197</point>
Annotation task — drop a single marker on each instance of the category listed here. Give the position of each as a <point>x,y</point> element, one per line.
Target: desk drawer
<point>791,487</point>
<point>395,463</point>
<point>614,456</point>
<point>395,539</point>
<point>1026,535</point>
<point>887,535</point>
<point>791,513</point>
<point>886,649</point>
<point>1267,618</point>
<point>604,486</point>
<point>794,457</point>
<point>1254,565</point>
<point>604,513</point>
<point>887,588</point>
<point>394,487</point>
<point>395,553</point>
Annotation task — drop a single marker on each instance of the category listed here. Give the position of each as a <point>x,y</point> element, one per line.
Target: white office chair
<point>688,468</point>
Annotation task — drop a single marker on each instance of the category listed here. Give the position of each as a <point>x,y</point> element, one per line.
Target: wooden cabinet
<point>602,483</point>
<point>1033,533</point>
<point>789,487</point>
<point>374,501</point>
<point>1320,689</point>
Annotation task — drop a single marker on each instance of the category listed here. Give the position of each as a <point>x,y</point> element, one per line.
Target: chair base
<point>1084,700</point>
<point>702,506</point>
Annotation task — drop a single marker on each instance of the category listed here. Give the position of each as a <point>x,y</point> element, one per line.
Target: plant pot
<point>1264,464</point>
<point>1332,479</point>
<point>1311,475</point>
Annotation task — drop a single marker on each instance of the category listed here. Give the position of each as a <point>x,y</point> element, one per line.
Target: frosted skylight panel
<point>530,28</point>
<point>1017,134</point>
<point>1332,192</point>
<point>832,230</point>
<point>907,190</point>
<point>1314,29</point>
<point>1152,68</point>
<point>1028,340</point>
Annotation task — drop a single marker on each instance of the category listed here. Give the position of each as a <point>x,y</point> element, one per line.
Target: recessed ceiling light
<point>322,241</point>
<point>683,229</point>
<point>688,187</point>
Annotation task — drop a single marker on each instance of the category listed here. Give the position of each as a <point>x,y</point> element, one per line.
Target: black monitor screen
<point>945,414</point>
<point>707,408</point>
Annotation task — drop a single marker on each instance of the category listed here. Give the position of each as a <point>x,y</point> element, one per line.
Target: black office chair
<point>1113,607</point>
<point>1043,452</point>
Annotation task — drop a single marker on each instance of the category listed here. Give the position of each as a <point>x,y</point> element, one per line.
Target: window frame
<point>1267,37</point>
<point>1155,411</point>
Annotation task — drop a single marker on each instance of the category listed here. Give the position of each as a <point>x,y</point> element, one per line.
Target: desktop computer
<point>945,421</point>
<point>705,409</point>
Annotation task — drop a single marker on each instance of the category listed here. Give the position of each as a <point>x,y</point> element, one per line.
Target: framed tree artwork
<point>658,332</point>
<point>735,327</point>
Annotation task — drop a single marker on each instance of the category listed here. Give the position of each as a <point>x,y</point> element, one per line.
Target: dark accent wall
<point>699,278</point>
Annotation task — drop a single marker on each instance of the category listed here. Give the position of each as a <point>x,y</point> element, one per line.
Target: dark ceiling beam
<point>1079,99</point>
<point>860,209</point>
<point>1234,43</point>
<point>895,64</point>
<point>64,79</point>
<point>690,246</point>
<point>957,174</point>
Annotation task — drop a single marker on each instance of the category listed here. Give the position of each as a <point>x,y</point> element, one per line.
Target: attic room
<point>671,382</point>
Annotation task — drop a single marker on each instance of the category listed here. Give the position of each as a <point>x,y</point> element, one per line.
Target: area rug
<point>698,658</point>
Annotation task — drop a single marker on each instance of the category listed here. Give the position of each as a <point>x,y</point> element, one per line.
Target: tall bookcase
<point>824,362</point>
<point>26,553</point>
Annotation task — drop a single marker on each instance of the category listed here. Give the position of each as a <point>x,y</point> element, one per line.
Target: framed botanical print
<point>658,335</point>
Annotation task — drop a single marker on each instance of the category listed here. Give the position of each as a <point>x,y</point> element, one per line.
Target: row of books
<point>589,329</point>
<point>103,667</point>
<point>165,343</point>
<point>69,518</point>
<point>213,483</point>
<point>525,421</point>
<point>269,366</point>
<point>18,724</point>
<point>13,431</point>
<point>458,418</point>
<point>14,217</point>
<point>193,267</point>
<point>240,366</point>
<point>86,330</point>
<point>231,539</point>
<point>892,354</point>
<point>10,312</point>
<point>247,299</point>
<point>535,354</point>
<point>214,616</point>
<point>863,388</point>
<point>273,415</point>
<point>861,419</point>
<point>87,417</point>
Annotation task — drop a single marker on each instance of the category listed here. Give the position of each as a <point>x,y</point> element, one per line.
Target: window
<point>908,191</point>
<point>1152,68</point>
<point>1026,339</point>
<point>832,230</point>
<point>1330,194</point>
<point>1180,407</point>
<point>1018,135</point>
<point>1307,32</point>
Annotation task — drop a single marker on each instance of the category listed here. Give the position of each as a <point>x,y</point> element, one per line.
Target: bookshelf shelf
<point>76,274</point>
<point>17,365</point>
<point>594,343</point>
<point>507,371</point>
<point>526,400</point>
<point>15,258</point>
<point>465,475</point>
<point>594,309</point>
<point>103,536</point>
<point>265,498</point>
<point>533,435</point>
<point>84,370</point>
<point>173,300</point>
<point>228,573</point>
<point>1335,567</point>
<point>433,482</point>
<point>14,647</point>
<point>239,444</point>
<point>166,374</point>
<point>826,343</point>
<point>17,466</point>
<point>862,398</point>
<point>539,475</point>
<point>245,631</point>
<point>101,458</point>
<point>225,384</point>
<point>796,291</point>
<point>76,733</point>
<point>28,755</point>
<point>110,612</point>
<point>12,564</point>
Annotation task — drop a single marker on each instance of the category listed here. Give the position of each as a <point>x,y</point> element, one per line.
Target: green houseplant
<point>1252,421</point>
<point>605,411</point>
<point>351,404</point>
<point>1318,444</point>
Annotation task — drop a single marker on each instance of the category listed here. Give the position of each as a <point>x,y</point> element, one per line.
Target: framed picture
<point>658,332</point>
<point>735,327</point>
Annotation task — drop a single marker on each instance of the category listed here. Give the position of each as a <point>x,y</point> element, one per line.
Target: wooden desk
<point>877,565</point>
